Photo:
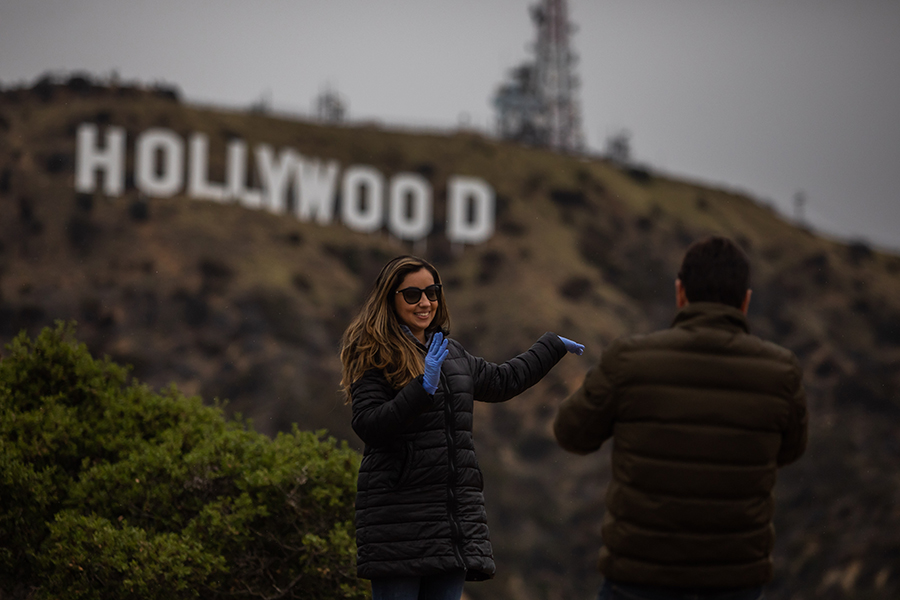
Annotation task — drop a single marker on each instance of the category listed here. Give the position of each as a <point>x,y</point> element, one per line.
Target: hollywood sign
<point>367,202</point>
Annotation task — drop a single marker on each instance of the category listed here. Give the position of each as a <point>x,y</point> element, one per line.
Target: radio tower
<point>539,105</point>
<point>555,77</point>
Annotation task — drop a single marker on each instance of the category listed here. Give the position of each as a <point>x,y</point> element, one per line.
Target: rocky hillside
<point>247,306</point>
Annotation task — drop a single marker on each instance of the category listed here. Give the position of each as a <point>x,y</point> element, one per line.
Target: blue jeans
<point>445,586</point>
<point>633,591</point>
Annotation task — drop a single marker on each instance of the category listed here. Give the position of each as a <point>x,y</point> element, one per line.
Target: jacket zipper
<point>455,529</point>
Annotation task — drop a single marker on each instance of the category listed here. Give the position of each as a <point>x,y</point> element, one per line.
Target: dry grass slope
<point>249,306</point>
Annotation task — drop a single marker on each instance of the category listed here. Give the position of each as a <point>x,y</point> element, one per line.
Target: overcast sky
<point>771,97</point>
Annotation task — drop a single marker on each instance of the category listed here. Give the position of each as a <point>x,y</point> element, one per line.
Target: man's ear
<point>681,299</point>
<point>746,303</point>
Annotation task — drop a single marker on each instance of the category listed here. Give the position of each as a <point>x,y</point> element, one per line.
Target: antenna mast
<point>539,105</point>
<point>555,77</point>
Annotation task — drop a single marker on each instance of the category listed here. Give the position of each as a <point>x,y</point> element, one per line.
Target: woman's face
<point>416,316</point>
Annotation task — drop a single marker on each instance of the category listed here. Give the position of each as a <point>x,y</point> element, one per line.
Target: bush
<point>109,490</point>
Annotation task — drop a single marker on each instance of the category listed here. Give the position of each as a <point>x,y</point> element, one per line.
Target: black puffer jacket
<point>419,504</point>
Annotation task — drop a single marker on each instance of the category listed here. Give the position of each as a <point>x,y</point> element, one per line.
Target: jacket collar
<point>711,314</point>
<point>409,332</point>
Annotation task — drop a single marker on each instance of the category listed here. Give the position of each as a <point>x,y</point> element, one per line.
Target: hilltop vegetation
<point>109,490</point>
<point>248,306</point>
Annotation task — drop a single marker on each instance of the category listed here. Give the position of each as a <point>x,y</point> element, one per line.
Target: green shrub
<point>109,490</point>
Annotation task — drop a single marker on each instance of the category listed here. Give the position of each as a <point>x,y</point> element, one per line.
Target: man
<point>701,416</point>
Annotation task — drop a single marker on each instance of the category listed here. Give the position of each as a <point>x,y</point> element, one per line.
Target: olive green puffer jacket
<point>701,416</point>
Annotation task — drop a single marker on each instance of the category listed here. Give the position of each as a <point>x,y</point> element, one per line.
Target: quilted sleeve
<point>585,419</point>
<point>795,435</point>
<point>380,413</point>
<point>497,383</point>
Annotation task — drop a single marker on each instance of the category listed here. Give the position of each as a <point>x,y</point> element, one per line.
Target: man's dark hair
<point>715,270</point>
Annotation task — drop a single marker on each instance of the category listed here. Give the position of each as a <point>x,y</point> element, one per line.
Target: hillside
<point>248,306</point>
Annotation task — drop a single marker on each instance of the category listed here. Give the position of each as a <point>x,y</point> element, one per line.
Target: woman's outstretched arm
<point>497,383</point>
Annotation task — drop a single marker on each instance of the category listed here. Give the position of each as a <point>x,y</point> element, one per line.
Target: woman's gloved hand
<point>437,352</point>
<point>573,347</point>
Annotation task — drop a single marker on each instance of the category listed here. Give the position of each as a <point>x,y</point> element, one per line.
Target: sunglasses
<point>413,294</point>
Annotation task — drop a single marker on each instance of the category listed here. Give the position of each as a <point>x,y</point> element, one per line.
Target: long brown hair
<point>375,340</point>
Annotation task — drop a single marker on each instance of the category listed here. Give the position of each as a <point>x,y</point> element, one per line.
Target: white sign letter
<point>198,182</point>
<point>362,205</point>
<point>315,190</point>
<point>237,176</point>
<point>89,159</point>
<point>149,179</point>
<point>410,220</point>
<point>467,194</point>
<point>275,176</point>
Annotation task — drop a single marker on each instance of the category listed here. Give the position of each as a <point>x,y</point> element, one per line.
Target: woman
<point>421,527</point>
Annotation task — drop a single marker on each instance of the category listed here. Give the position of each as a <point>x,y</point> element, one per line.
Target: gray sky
<point>769,97</point>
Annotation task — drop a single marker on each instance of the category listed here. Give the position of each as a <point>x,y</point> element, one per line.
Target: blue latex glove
<point>573,347</point>
<point>437,352</point>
